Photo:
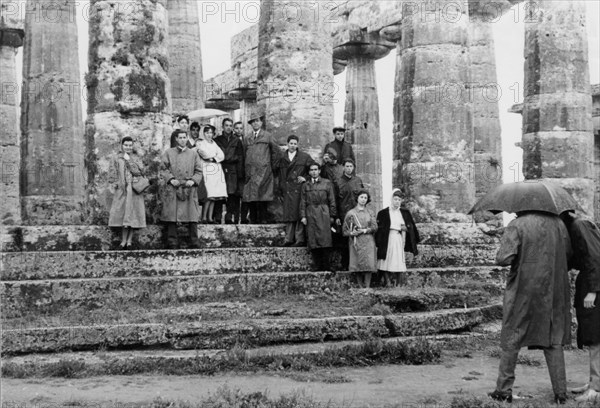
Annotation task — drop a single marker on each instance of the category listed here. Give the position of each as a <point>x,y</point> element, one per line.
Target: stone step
<point>335,297</point>
<point>56,296</point>
<point>248,333</point>
<point>102,238</point>
<point>104,264</point>
<point>161,360</point>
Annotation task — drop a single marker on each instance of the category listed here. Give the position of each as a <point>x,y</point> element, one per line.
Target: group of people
<point>540,249</point>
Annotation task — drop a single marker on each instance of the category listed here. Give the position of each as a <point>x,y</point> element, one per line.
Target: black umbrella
<point>528,195</point>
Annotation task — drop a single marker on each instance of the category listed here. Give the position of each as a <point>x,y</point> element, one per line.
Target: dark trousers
<point>555,360</point>
<point>232,205</point>
<point>321,258</point>
<point>172,232</point>
<point>258,211</point>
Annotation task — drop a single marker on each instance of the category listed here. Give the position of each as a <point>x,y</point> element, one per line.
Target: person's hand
<point>189,183</point>
<point>300,179</point>
<point>126,156</point>
<point>175,182</point>
<point>338,222</point>
<point>303,220</point>
<point>589,300</point>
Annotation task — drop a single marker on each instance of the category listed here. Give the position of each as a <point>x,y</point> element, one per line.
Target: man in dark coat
<point>181,171</point>
<point>318,212</point>
<point>261,157</point>
<point>536,310</point>
<point>342,148</point>
<point>293,172</point>
<point>347,188</point>
<point>331,169</point>
<point>585,240</point>
<point>233,150</point>
<point>238,131</point>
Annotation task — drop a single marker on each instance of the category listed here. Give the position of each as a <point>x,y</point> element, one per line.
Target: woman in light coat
<point>127,210</point>
<point>214,178</point>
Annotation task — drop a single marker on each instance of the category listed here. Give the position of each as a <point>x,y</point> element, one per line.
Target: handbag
<point>140,183</point>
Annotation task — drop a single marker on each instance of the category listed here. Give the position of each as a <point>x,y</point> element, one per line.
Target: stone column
<point>295,74</point>
<point>52,146</point>
<point>11,38</point>
<point>362,106</point>
<point>129,94</point>
<point>185,57</point>
<point>558,141</point>
<point>433,131</point>
<point>485,93</point>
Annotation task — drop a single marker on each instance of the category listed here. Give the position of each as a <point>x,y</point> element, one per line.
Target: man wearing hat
<point>342,149</point>
<point>261,156</point>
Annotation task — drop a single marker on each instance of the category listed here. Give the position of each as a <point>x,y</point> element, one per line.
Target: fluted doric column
<point>433,128</point>
<point>185,56</point>
<point>11,38</point>
<point>52,146</point>
<point>129,94</point>
<point>558,139</point>
<point>362,105</point>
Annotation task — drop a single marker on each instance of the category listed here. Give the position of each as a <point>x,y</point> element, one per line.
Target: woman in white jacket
<point>212,173</point>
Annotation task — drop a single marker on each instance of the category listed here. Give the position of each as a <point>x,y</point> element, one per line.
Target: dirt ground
<point>408,386</point>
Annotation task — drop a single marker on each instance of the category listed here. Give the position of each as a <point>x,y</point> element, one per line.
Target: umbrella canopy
<point>202,114</point>
<point>528,195</point>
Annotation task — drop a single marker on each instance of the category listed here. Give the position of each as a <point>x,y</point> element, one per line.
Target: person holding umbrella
<point>536,312</point>
<point>585,240</point>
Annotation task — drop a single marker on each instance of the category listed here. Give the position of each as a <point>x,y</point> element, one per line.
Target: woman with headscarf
<point>127,210</point>
<point>360,225</point>
<point>397,233</point>
<point>214,178</point>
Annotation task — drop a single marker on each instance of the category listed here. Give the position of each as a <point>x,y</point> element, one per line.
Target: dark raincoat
<point>288,184</point>
<point>585,240</point>
<point>181,165</point>
<point>536,301</point>
<point>346,191</point>
<point>234,160</point>
<point>383,232</point>
<point>343,151</point>
<point>317,204</point>
<point>261,157</point>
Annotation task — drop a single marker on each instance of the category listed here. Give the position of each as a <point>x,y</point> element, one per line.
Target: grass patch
<point>368,353</point>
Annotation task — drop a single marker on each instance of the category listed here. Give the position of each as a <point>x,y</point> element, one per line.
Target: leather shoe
<point>560,399</point>
<point>589,395</point>
<point>580,390</point>
<point>501,396</point>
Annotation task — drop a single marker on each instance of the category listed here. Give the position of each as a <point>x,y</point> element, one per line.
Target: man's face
<point>181,139</point>
<point>348,168</point>
<point>195,133</point>
<point>292,145</point>
<point>238,129</point>
<point>184,125</point>
<point>228,127</point>
<point>313,171</point>
<point>256,124</point>
<point>339,135</point>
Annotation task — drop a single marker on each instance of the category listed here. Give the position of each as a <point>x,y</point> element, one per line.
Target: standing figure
<point>348,186</point>
<point>214,178</point>
<point>536,310</point>
<point>331,169</point>
<point>396,234</point>
<point>261,157</point>
<point>127,210</point>
<point>360,225</point>
<point>233,150</point>
<point>293,172</point>
<point>194,135</point>
<point>181,171</point>
<point>585,240</point>
<point>317,212</point>
<point>342,149</point>
<point>183,121</point>
<point>238,131</point>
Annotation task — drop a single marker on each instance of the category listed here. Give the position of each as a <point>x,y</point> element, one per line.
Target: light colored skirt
<point>395,260</point>
<point>214,181</point>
